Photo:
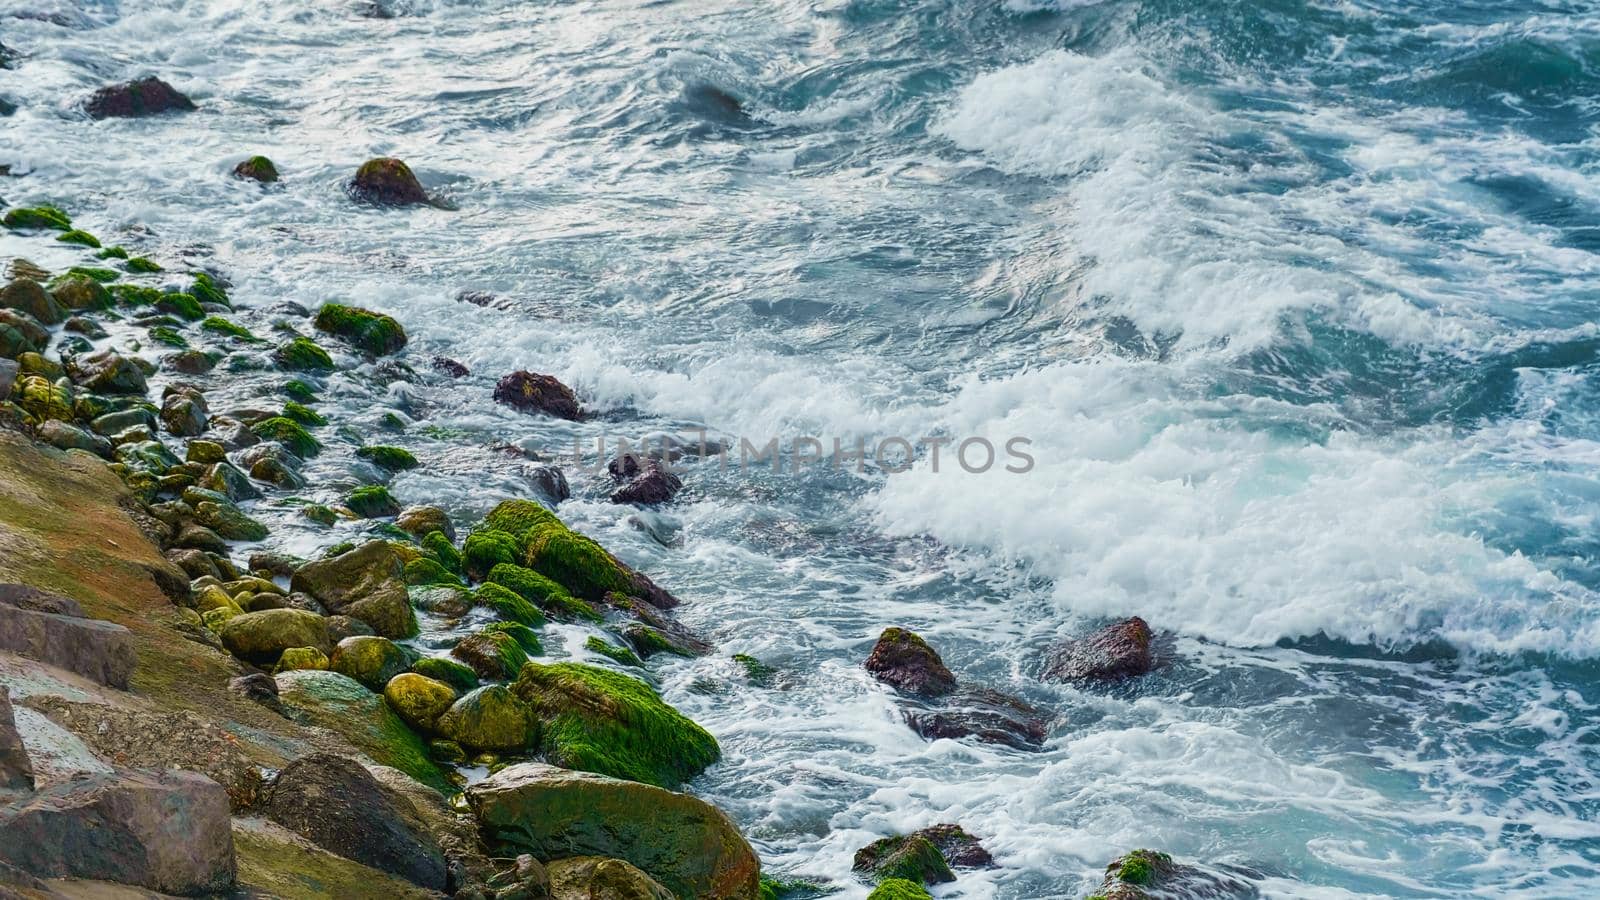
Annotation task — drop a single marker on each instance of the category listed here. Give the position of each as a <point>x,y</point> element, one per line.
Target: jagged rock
<point>529,392</point>
<point>336,804</point>
<point>598,878</point>
<point>682,842</point>
<point>16,770</point>
<point>366,583</point>
<point>387,182</point>
<point>134,99</point>
<point>1119,650</point>
<point>51,628</point>
<point>166,831</point>
<point>904,660</point>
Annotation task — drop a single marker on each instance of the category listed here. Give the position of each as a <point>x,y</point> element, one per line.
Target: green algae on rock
<point>489,718</point>
<point>611,651</point>
<point>37,217</point>
<point>372,501</point>
<point>262,637</point>
<point>341,705</point>
<point>291,434</point>
<point>541,591</point>
<point>387,181</point>
<point>508,604</point>
<point>297,658</point>
<point>303,414</point>
<point>427,571</point>
<point>452,673</point>
<point>364,329</point>
<point>302,354</point>
<point>483,550</point>
<point>219,325</point>
<point>393,459</point>
<point>418,699</point>
<point>602,721</point>
<point>81,238</point>
<point>257,168</point>
<point>143,266</point>
<point>899,889</point>
<point>206,290</point>
<point>492,655</point>
<point>369,659</point>
<point>439,546</point>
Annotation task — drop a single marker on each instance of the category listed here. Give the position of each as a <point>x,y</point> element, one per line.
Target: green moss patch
<point>611,651</point>
<point>302,354</point>
<point>509,605</point>
<point>81,238</point>
<point>290,434</point>
<point>543,592</point>
<point>372,501</point>
<point>303,414</point>
<point>47,217</point>
<point>394,459</point>
<point>372,332</point>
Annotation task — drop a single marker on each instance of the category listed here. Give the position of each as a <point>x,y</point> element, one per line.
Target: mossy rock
<point>291,434</point>
<point>369,659</point>
<point>519,518</point>
<point>206,290</point>
<point>601,721</point>
<point>228,521</point>
<point>319,513</point>
<point>184,306</point>
<point>219,325</point>
<point>525,637</point>
<point>427,571</point>
<point>81,238</point>
<point>341,705</point>
<point>372,501</point>
<point>392,459</point>
<point>489,718</point>
<point>112,253</point>
<point>387,181</point>
<point>96,273</point>
<point>82,293</point>
<point>915,859</point>
<point>262,637</point>
<point>302,354</point>
<point>37,217</point>
<point>899,889</point>
<point>297,389</point>
<point>575,562</point>
<point>445,552</point>
<point>303,414</point>
<point>508,605</point>
<point>257,168</point>
<point>456,675</point>
<point>371,332</point>
<point>418,699</point>
<point>485,549</point>
<point>541,591</point>
<point>611,651</point>
<point>143,266</point>
<point>296,659</point>
<point>493,655</point>
<point>759,673</point>
<point>420,521</point>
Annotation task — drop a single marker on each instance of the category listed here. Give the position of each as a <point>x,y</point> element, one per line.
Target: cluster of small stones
<point>196,470</point>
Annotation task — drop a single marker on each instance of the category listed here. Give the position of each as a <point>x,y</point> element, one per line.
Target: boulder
<point>296,659</point>
<point>1151,874</point>
<point>686,844</point>
<point>51,628</point>
<point>489,718</point>
<point>62,436</point>
<point>366,583</point>
<point>651,486</point>
<point>165,831</point>
<point>960,849</point>
<point>903,660</point>
<point>341,705</point>
<point>262,637</point>
<point>226,479</point>
<point>107,372</point>
<point>228,521</point>
<point>492,655</point>
<point>336,804</point>
<point>528,392</point>
<point>599,720</point>
<point>387,182</point>
<point>372,332</point>
<point>598,878</point>
<point>369,659</point>
<point>134,99</point>
<point>899,889</point>
<point>987,715</point>
<point>419,700</point>
<point>16,770</point>
<point>256,168</point>
<point>449,367</point>
<point>913,857</point>
<point>28,296</point>
<point>1119,650</point>
<point>418,521</point>
<point>184,413</point>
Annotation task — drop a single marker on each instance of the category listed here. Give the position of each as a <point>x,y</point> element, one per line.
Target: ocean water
<point>1295,302</point>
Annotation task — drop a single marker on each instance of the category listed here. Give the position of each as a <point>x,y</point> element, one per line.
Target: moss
<point>182,305</point>
<point>418,699</point>
<point>492,654</point>
<point>112,253</point>
<point>290,434</point>
<point>443,551</point>
<point>575,562</point>
<point>757,671</point>
<point>791,889</point>
<point>428,571</point>
<point>372,501</point>
<point>81,238</point>
<point>303,414</point>
<point>650,641</point>
<point>319,513</point>
<point>135,295</point>
<point>340,704</point>
<point>525,637</point>
<point>232,329</point>
<point>1139,866</point>
<point>489,718</point>
<point>611,651</point>
<point>303,355</point>
<point>369,659</point>
<point>104,276</point>
<point>483,550</point>
<point>394,459</point>
<point>163,334</point>
<point>540,590</point>
<point>392,422</point>
<point>295,389</point>
<point>509,605</point>
<point>899,889</point>
<point>38,217</point>
<point>297,658</point>
<point>916,860</point>
<point>520,518</point>
<point>144,266</point>
<point>458,676</point>
<point>206,290</point>
<point>257,168</point>
<point>372,332</point>
<point>602,721</point>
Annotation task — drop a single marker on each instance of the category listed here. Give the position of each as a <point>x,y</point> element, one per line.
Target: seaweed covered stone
<point>392,459</point>
<point>508,604</point>
<point>536,589</point>
<point>387,181</point>
<point>262,637</point>
<point>489,718</point>
<point>602,721</point>
<point>899,889</point>
<point>418,699</point>
<point>456,675</point>
<point>291,434</point>
<point>365,583</point>
<point>256,168</point>
<point>1151,874</point>
<point>341,705</point>
<point>134,99</point>
<point>47,218</point>
<point>492,655</point>
<point>302,354</point>
<point>530,392</point>
<point>913,857</point>
<point>372,501</point>
<point>483,550</point>
<point>904,660</point>
<point>364,329</point>
<point>369,659</point>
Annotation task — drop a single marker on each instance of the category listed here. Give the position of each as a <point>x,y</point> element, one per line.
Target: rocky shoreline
<point>267,725</point>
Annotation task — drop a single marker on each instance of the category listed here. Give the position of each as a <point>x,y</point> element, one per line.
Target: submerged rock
<point>372,332</point>
<point>651,486</point>
<point>1119,650</point>
<point>913,857</point>
<point>682,842</point>
<point>336,804</point>
<point>903,660</point>
<point>387,182</point>
<point>956,847</point>
<point>982,713</point>
<point>532,393</point>
<point>1153,875</point>
<point>134,99</point>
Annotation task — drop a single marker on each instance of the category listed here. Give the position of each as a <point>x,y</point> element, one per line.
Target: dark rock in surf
<point>448,366</point>
<point>960,849</point>
<point>654,484</point>
<point>982,713</point>
<point>903,660</point>
<point>529,392</point>
<point>256,168</point>
<point>135,99</point>
<point>1148,874</point>
<point>1119,650</point>
<point>387,182</point>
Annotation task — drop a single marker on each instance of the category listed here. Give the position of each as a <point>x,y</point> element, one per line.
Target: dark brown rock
<point>984,714</point>
<point>1120,650</point>
<point>529,392</point>
<point>133,99</point>
<point>450,367</point>
<point>50,628</point>
<point>903,660</point>
<point>651,486</point>
<point>166,831</point>
<point>336,804</point>
<point>387,182</point>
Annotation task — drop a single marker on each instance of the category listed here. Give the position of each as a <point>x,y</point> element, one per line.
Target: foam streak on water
<point>1295,300</point>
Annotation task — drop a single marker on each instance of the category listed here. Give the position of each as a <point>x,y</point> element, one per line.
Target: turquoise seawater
<point>1295,301</point>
